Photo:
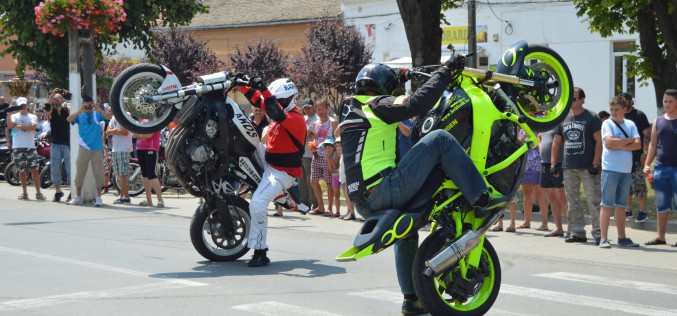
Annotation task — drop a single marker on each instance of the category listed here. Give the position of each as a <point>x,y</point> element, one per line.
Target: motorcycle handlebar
<point>481,74</point>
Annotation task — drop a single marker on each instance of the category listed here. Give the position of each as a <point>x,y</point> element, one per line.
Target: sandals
<point>277,214</point>
<point>328,214</point>
<point>542,228</point>
<point>145,203</point>
<point>160,204</point>
<point>655,242</point>
<point>497,229</point>
<point>39,196</point>
<point>523,227</point>
<point>338,215</point>
<point>23,196</point>
<point>510,229</point>
<point>316,212</point>
<point>348,217</point>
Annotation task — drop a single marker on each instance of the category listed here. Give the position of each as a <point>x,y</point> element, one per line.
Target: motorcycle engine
<point>198,150</point>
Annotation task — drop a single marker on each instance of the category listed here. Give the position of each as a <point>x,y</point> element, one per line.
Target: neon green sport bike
<point>456,270</point>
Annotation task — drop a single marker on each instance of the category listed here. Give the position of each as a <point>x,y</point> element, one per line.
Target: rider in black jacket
<point>374,181</point>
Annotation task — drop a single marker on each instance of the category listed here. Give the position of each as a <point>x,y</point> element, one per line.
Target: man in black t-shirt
<point>638,187</point>
<point>57,113</point>
<point>581,139</point>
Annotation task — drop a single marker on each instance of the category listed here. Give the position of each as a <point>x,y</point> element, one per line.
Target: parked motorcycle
<point>212,152</point>
<point>5,155</point>
<point>456,269</point>
<point>12,173</point>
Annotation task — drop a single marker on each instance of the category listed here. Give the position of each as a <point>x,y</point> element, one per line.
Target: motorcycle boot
<point>413,307</point>
<point>259,259</point>
<point>490,200</point>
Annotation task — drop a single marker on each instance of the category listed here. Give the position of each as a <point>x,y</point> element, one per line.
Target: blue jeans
<point>665,184</point>
<point>615,189</point>
<point>59,153</point>
<point>400,186</point>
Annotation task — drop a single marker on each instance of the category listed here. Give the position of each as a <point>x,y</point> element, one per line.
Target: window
<point>622,81</point>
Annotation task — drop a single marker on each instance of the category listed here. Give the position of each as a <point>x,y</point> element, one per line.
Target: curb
<point>649,225</point>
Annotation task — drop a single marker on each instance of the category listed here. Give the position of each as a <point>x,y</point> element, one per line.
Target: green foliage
<point>448,5</point>
<point>30,47</point>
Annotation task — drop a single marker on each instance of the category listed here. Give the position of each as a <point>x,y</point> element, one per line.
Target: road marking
<point>99,266</point>
<point>99,294</point>
<point>580,300</point>
<point>593,279</point>
<point>383,295</point>
<point>280,309</point>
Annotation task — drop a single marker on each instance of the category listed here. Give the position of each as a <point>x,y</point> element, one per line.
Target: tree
<point>656,23</point>
<point>106,73</point>
<point>30,47</point>
<point>330,61</point>
<point>185,55</point>
<point>422,21</point>
<point>262,58</point>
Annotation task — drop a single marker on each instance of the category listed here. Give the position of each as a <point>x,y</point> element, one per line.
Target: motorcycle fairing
<point>171,82</point>
<point>512,61</point>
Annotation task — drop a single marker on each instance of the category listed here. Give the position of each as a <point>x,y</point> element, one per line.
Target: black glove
<point>257,83</point>
<point>455,62</point>
<point>405,75</point>
<point>555,170</point>
<point>593,170</point>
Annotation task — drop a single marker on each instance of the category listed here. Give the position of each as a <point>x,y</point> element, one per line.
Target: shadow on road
<point>291,268</point>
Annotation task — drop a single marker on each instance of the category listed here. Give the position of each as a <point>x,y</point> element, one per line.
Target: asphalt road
<point>80,260</point>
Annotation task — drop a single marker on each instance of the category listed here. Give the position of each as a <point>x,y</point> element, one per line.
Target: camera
<point>88,107</point>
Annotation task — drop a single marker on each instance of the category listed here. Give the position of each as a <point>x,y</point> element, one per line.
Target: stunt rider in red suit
<point>284,153</point>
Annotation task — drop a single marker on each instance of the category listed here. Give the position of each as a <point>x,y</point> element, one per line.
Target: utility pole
<point>472,36</point>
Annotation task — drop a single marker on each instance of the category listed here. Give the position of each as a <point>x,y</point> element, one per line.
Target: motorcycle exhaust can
<point>446,258</point>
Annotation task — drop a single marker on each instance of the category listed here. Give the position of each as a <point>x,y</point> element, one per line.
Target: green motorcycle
<point>456,270</point>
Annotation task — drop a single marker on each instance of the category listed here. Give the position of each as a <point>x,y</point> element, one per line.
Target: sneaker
<point>490,200</point>
<point>57,196</point>
<point>98,202</point>
<point>119,201</point>
<point>411,307</point>
<point>642,217</point>
<point>628,215</point>
<point>597,240</point>
<point>126,200</point>
<point>259,259</point>
<point>75,201</point>
<point>627,242</point>
<point>605,244</point>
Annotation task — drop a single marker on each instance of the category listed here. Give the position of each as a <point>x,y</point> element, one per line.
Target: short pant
<point>335,180</point>
<point>615,188</point>
<point>26,159</point>
<point>550,181</point>
<point>121,163</point>
<point>665,184</point>
<point>319,169</point>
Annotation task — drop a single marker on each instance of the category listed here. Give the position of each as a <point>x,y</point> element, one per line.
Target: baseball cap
<point>21,101</point>
<point>328,141</point>
<point>307,103</point>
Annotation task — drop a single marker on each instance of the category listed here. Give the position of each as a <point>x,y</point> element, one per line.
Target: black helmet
<point>378,78</point>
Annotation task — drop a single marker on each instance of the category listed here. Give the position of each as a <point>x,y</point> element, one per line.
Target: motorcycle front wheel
<point>128,99</point>
<point>218,241</point>
<point>448,293</point>
<point>546,108</point>
<point>46,176</point>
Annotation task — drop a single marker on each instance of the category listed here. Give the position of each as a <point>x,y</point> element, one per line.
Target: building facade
<point>597,64</point>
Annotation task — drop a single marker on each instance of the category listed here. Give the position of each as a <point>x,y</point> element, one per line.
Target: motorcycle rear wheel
<point>206,232</point>
<point>134,180</point>
<point>431,290</point>
<point>128,104</point>
<point>556,103</point>
<point>12,175</point>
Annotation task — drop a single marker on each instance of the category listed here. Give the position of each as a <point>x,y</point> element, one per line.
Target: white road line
<point>593,279</point>
<point>383,295</point>
<point>98,266</point>
<point>581,300</point>
<point>280,309</point>
<point>99,294</point>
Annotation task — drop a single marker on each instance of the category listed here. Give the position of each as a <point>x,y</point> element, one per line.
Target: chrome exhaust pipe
<point>447,257</point>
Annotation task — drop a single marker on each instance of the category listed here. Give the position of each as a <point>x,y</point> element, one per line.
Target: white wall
<point>588,55</point>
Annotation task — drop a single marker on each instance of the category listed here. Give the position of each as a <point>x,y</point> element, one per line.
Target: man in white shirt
<point>23,147</point>
<point>122,147</point>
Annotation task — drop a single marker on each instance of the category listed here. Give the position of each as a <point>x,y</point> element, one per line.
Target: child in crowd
<point>333,156</point>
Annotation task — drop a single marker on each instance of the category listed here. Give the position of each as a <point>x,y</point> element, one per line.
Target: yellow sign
<point>459,34</point>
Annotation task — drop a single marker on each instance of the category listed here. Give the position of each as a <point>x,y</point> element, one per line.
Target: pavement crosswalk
<point>602,305</point>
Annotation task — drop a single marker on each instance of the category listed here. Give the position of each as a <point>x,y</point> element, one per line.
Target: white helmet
<point>285,91</point>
